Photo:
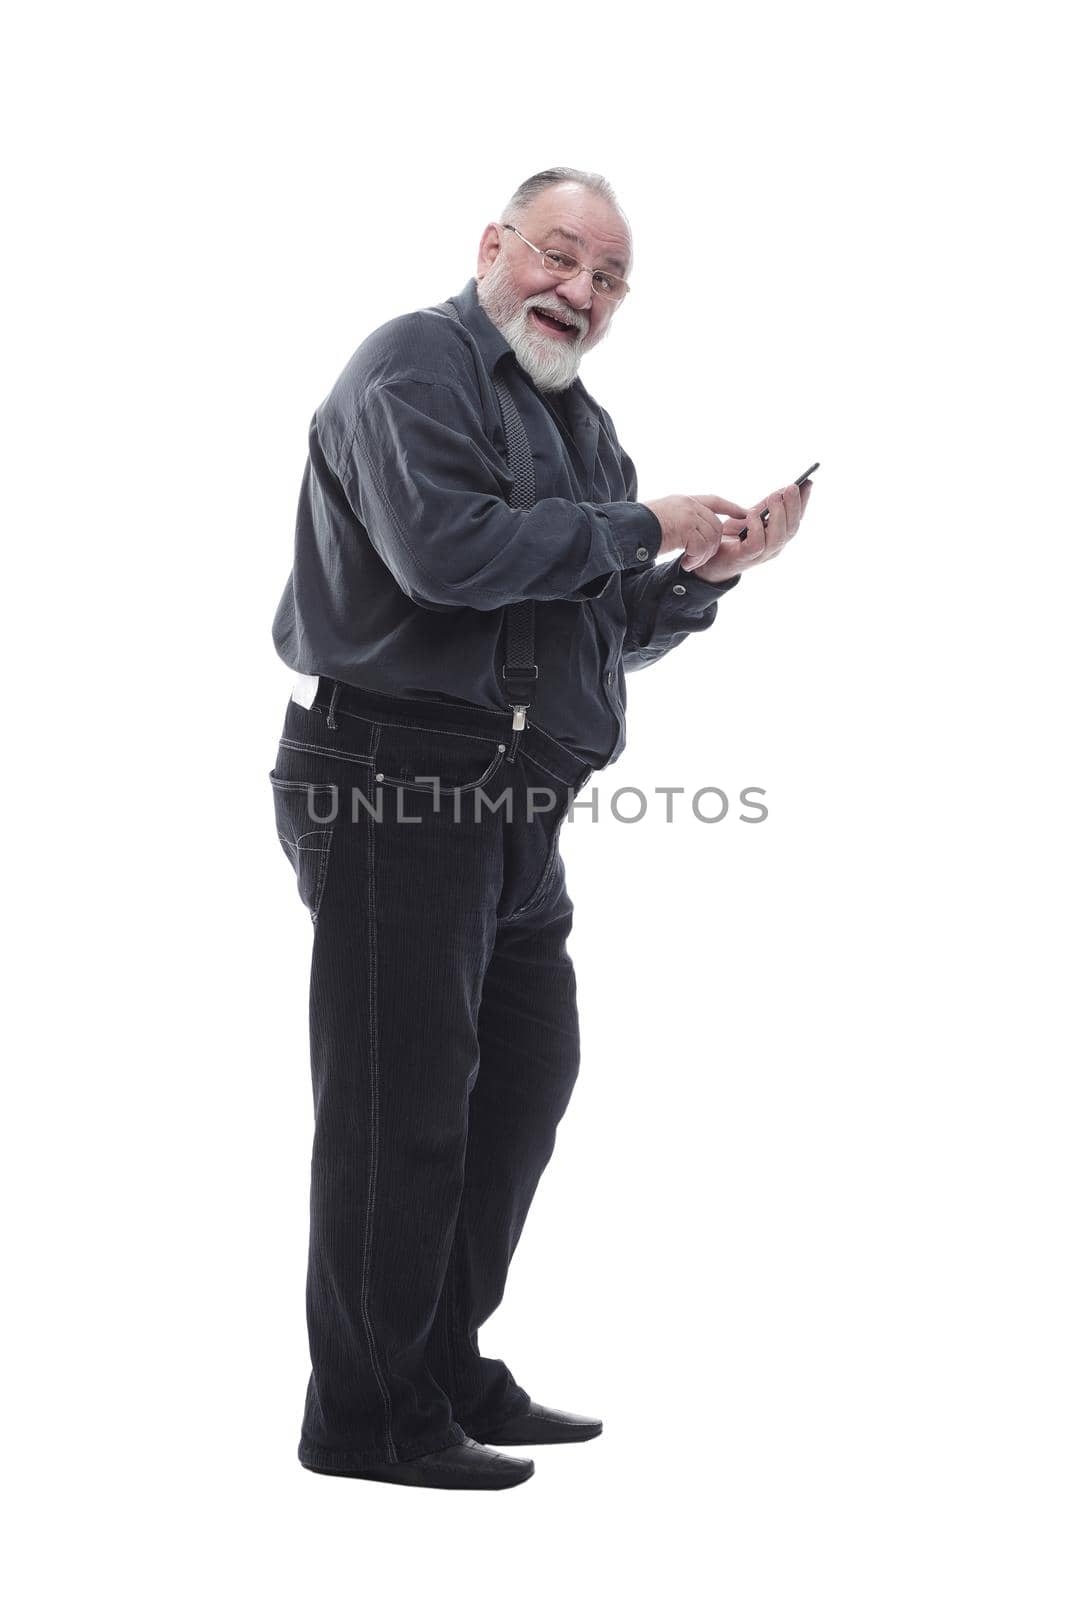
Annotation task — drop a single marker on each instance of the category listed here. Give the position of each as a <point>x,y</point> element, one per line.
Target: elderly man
<point>473,577</point>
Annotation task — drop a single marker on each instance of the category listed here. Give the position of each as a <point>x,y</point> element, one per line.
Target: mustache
<point>575,318</point>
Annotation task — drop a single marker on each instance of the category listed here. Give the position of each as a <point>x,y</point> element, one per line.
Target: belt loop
<point>331,720</point>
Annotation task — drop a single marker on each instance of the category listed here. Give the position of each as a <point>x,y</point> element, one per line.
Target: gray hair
<point>527,192</point>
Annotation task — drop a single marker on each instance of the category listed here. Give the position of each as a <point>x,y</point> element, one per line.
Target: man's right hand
<point>689,523</point>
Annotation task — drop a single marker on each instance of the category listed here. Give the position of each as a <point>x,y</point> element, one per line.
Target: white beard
<point>552,364</point>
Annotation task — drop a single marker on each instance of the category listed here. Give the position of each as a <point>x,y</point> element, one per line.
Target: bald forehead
<point>570,215</point>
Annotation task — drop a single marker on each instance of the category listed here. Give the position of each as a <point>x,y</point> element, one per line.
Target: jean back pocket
<point>305,814</point>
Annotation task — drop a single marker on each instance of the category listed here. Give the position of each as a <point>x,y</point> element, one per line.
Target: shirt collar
<point>487,336</point>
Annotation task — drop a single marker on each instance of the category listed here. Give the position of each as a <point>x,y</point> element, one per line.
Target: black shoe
<point>541,1425</point>
<point>469,1465</point>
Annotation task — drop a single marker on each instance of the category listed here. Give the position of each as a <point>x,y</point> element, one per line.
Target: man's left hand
<point>785,508</point>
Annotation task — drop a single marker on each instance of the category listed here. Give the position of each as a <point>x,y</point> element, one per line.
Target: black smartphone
<point>804,476</point>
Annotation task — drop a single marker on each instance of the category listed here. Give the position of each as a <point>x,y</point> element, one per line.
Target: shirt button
<point>679,588</point>
<point>611,677</point>
<point>641,553</point>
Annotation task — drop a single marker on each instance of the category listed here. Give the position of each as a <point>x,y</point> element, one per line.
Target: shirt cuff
<point>685,595</point>
<point>635,530</point>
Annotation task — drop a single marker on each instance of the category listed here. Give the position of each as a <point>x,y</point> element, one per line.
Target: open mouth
<point>550,324</point>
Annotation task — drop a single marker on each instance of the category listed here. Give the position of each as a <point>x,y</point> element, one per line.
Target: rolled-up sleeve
<point>431,490</point>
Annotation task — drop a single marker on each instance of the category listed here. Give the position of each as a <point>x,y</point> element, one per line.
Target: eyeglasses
<point>561,265</point>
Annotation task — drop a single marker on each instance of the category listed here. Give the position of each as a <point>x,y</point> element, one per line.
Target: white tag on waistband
<point>305,689</point>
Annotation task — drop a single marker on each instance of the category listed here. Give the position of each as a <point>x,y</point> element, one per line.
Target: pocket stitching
<point>293,847</point>
<point>442,788</point>
<point>320,882</point>
<point>326,750</point>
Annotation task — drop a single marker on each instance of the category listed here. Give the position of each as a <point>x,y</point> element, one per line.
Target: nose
<point>577,291</point>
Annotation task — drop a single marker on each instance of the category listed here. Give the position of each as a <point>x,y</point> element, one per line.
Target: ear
<point>489,247</point>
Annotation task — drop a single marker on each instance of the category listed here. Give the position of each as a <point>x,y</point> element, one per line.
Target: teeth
<point>553,318</point>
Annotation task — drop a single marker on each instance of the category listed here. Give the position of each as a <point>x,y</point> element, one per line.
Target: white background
<point>801,1242</point>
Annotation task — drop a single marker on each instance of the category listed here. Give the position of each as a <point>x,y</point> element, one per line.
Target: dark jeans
<point>444,1048</point>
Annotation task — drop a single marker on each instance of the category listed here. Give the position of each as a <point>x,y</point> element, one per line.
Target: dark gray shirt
<point>407,552</point>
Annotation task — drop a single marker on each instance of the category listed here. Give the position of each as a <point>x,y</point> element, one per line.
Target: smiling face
<point>513,285</point>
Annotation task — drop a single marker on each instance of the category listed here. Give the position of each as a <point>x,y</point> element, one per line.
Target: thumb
<point>703,546</point>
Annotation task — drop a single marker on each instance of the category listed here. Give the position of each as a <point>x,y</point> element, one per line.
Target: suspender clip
<point>521,681</point>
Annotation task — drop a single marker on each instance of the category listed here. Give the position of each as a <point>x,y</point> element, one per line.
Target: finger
<point>775,495</point>
<point>716,502</point>
<point>791,497</point>
<point>728,543</point>
<point>695,552</point>
<point>732,552</point>
<point>778,525</point>
<point>706,540</point>
<point>774,534</point>
<point>713,527</point>
<point>756,541</point>
<point>726,562</point>
<point>761,511</point>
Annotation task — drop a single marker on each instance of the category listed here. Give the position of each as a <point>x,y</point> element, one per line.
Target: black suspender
<point>520,670</point>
